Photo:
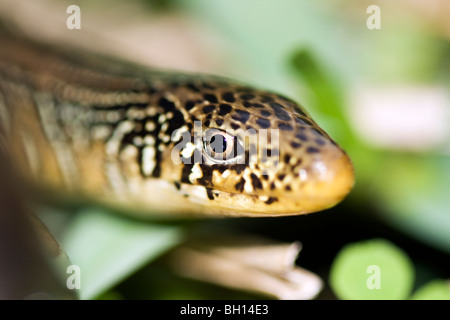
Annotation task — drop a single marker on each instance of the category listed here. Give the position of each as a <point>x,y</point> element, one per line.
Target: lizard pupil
<point>218,143</point>
<point>220,146</point>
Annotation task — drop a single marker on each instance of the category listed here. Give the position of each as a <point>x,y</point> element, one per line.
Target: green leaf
<point>327,94</point>
<point>434,290</point>
<point>374,269</point>
<point>108,248</point>
<point>416,198</point>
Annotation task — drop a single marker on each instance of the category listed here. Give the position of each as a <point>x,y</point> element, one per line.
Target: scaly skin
<point>127,136</point>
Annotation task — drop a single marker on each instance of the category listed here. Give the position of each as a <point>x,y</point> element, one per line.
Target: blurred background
<point>376,80</point>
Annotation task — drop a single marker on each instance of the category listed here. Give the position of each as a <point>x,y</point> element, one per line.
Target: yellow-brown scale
<point>299,170</point>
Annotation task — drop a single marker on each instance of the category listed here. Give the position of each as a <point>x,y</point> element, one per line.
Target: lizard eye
<point>220,146</point>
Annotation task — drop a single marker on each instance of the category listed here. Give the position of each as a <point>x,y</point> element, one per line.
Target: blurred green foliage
<point>374,269</point>
<point>314,52</point>
<point>378,270</point>
<point>435,290</point>
<point>108,248</point>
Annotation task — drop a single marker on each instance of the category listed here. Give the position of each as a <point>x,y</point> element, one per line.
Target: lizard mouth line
<point>233,203</point>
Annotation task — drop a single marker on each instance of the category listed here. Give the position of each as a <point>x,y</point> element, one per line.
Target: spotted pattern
<point>126,128</point>
<point>266,111</point>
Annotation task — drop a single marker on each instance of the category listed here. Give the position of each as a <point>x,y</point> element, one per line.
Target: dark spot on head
<point>241,116</point>
<point>287,158</point>
<point>312,150</point>
<point>209,193</point>
<point>240,185</point>
<point>271,200</point>
<point>320,141</point>
<point>224,109</point>
<point>281,177</point>
<point>295,145</point>
<point>187,169</point>
<point>265,113</point>
<point>288,188</point>
<point>207,123</point>
<point>263,123</point>
<point>256,183</point>
<point>235,126</point>
<point>210,97</point>
<point>206,179</point>
<point>166,104</point>
<point>175,122</point>
<point>209,108</point>
<point>228,97</point>
<point>219,122</point>
<point>280,112</point>
<point>285,126</point>
<point>189,105</point>
<point>272,186</point>
<point>247,96</point>
<point>301,136</point>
